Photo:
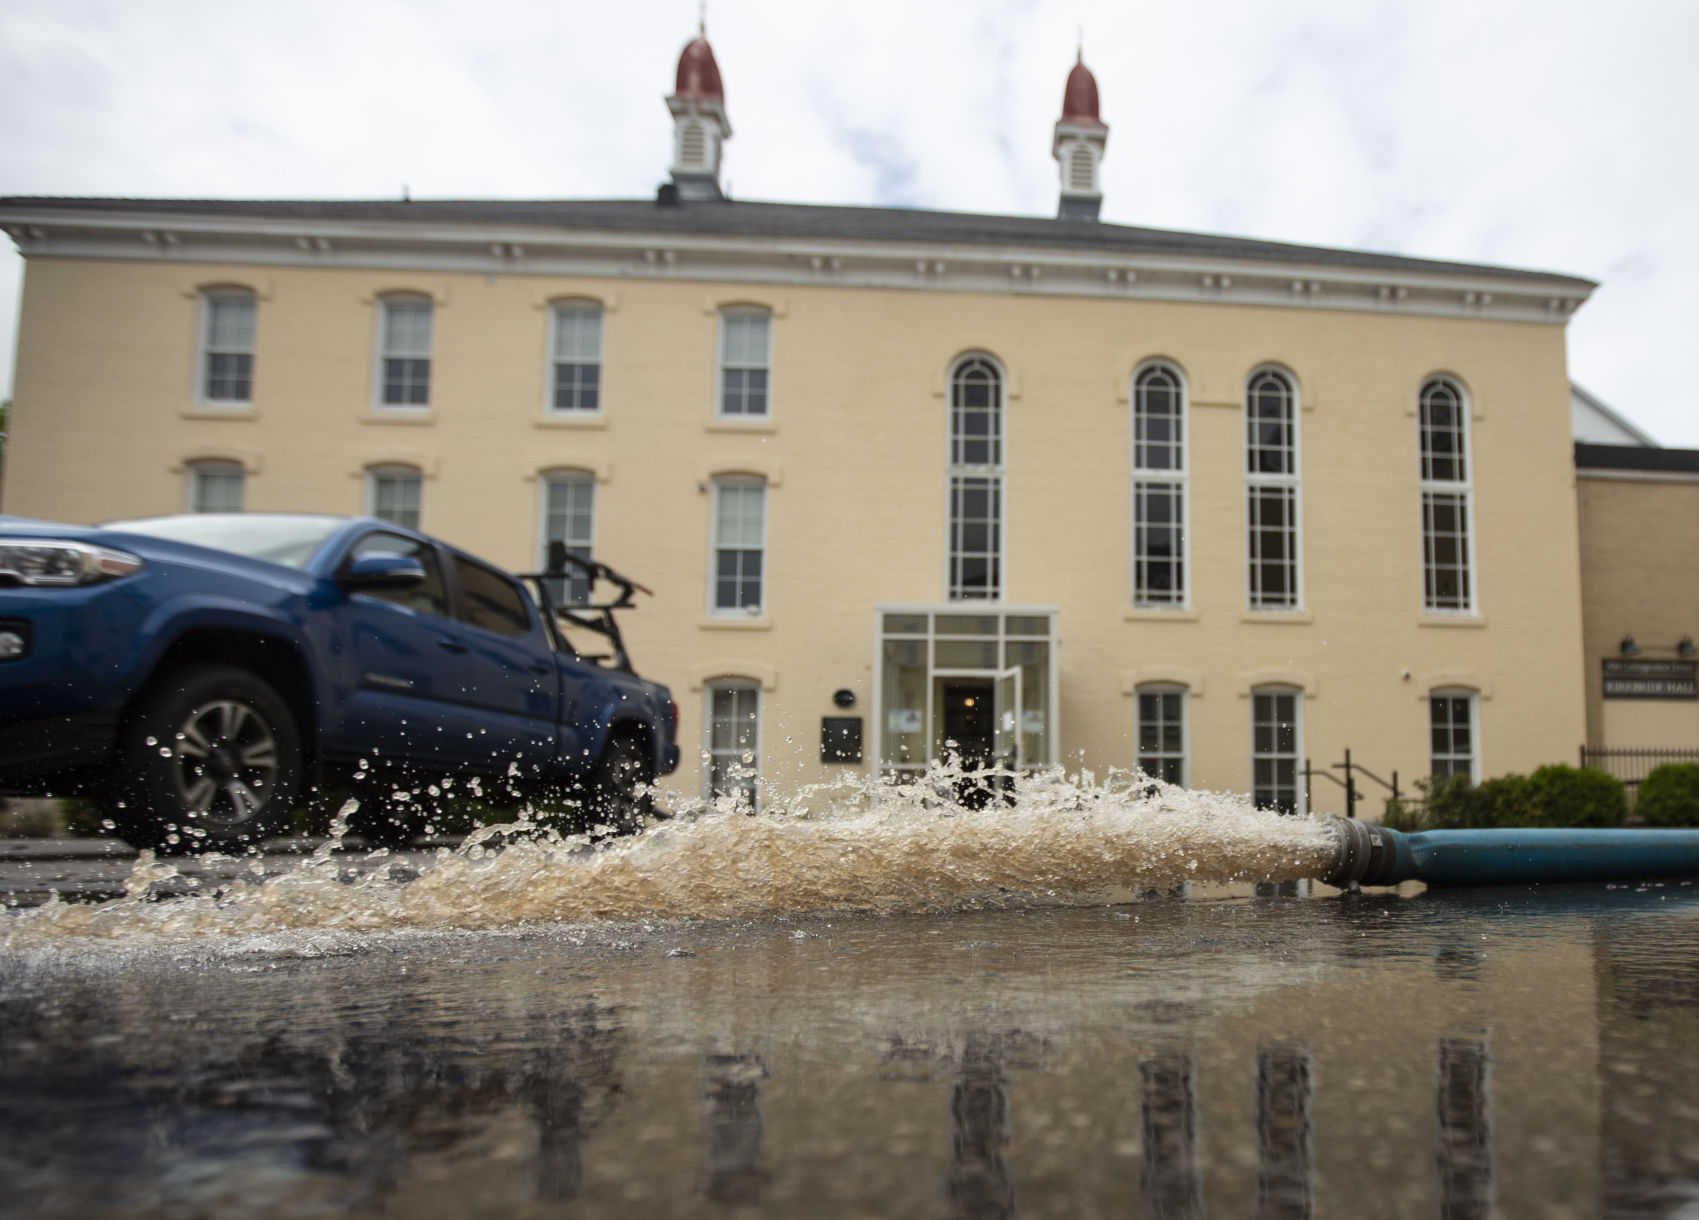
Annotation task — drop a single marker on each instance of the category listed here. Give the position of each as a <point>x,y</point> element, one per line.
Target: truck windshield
<point>286,538</point>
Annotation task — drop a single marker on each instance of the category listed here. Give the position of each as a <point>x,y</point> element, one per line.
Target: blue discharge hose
<point>1374,855</point>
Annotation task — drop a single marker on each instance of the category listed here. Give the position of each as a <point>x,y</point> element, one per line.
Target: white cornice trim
<point>1014,270</point>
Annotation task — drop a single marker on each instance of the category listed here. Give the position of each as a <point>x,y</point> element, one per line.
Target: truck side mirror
<point>382,570</point>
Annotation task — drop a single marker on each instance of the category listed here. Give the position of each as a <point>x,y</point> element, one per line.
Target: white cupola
<point>700,125</point>
<point>1078,146</point>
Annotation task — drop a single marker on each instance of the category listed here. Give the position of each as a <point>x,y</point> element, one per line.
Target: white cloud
<point>1554,135</point>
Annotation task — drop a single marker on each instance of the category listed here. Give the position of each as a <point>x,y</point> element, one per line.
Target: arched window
<point>1271,491</point>
<point>394,493</point>
<point>1159,487</point>
<point>1448,560</point>
<point>404,376</point>
<point>1276,746</point>
<point>216,486</point>
<point>976,480</point>
<point>569,517</point>
<point>576,357</point>
<point>227,346</point>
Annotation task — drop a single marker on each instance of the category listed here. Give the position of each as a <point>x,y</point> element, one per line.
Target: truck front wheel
<point>210,758</point>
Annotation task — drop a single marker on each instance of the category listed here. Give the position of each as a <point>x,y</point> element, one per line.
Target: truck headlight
<point>48,561</point>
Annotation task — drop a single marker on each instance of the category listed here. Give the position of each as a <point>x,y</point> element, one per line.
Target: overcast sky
<point>1558,135</point>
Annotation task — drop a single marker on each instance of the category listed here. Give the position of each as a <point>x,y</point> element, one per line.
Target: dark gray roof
<point>785,220</point>
<point>1635,457</point>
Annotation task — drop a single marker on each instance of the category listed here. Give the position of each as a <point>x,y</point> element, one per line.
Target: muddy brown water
<point>940,1043</point>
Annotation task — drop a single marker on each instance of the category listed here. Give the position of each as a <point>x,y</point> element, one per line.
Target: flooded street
<point>1173,1050</point>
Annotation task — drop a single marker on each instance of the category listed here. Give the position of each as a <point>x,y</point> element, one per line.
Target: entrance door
<point>1006,712</point>
<point>968,721</point>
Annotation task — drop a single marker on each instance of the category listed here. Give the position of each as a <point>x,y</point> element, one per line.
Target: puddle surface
<point>904,1012</point>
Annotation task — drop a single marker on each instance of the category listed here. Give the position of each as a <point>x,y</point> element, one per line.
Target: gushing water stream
<point>882,847</point>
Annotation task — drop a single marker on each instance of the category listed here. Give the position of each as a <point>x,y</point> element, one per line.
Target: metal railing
<point>1633,765</point>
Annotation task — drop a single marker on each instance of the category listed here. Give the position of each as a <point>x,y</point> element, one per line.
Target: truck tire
<point>612,797</point>
<point>209,759</point>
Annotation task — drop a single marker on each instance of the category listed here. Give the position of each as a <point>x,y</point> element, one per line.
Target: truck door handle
<point>450,644</point>
<point>539,667</point>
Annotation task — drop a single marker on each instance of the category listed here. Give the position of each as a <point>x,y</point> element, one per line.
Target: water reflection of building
<point>887,451</point>
<point>1170,1180</point>
<point>1463,1101</point>
<point>731,1127</point>
<point>1648,1014</point>
<point>1285,1134</point>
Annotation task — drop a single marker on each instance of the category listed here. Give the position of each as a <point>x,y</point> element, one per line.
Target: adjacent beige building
<point>1059,491</point>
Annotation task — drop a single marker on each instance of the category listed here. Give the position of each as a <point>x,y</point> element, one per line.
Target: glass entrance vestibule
<point>976,683</point>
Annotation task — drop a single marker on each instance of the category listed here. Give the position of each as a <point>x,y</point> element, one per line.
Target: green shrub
<point>1669,796</point>
<point>1451,801</point>
<point>1570,796</point>
<point>1401,814</point>
<point>1508,800</point>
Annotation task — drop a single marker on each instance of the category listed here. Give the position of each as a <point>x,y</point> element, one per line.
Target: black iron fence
<point>1633,765</point>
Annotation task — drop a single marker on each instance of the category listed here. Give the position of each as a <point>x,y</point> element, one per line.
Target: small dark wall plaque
<point>840,739</point>
<point>1644,678</point>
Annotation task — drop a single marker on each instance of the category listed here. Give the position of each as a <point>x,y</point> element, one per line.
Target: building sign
<point>1639,678</point>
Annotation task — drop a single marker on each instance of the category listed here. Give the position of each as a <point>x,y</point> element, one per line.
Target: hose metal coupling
<point>1366,853</point>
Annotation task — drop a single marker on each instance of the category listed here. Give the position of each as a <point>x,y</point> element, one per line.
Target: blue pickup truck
<point>198,675</point>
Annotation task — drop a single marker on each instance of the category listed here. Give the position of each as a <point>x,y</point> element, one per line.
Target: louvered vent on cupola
<point>1081,169</point>
<point>693,147</point>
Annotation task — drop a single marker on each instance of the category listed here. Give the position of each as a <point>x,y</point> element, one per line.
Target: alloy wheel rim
<point>224,763</point>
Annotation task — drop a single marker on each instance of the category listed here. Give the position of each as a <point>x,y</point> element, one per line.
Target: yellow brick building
<point>1057,490</point>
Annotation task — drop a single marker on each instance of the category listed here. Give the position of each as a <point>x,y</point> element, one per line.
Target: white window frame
<point>1296,694</point>
<point>576,587</point>
<point>1460,491</point>
<point>1175,482</point>
<point>1472,702</point>
<point>735,687</point>
<point>1286,486</point>
<point>395,470</point>
<point>1160,690</point>
<point>203,469</point>
<point>721,484</point>
<point>387,350</point>
<point>211,298</point>
<point>723,365</point>
<point>959,473</point>
<point>582,307</point>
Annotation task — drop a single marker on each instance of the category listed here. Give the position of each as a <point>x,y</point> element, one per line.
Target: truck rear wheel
<point>210,758</point>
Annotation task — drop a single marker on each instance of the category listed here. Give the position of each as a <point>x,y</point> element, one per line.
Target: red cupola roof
<point>1079,99</point>
<point>699,75</point>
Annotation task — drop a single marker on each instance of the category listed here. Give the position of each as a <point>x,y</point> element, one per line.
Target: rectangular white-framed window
<point>1159,488</point>
<point>227,347</point>
<point>976,537</point>
<point>1162,733</point>
<point>731,731</point>
<point>1273,506</point>
<point>395,493</point>
<point>575,358</point>
<point>216,487</point>
<point>569,517</point>
<point>1448,545</point>
<point>746,356</point>
<point>739,547</point>
<point>1276,745</point>
<point>1451,734</point>
<point>404,352</point>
